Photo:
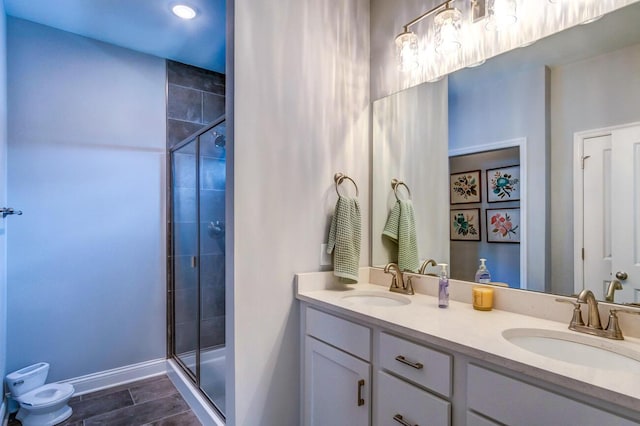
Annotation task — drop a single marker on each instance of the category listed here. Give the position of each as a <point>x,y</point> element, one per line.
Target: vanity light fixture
<point>183,11</point>
<point>447,27</point>
<point>501,14</point>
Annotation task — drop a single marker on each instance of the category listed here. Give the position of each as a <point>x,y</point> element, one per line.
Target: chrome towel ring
<point>395,183</point>
<point>339,177</point>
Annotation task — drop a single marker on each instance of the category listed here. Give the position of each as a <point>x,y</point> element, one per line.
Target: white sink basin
<point>374,298</point>
<point>576,348</point>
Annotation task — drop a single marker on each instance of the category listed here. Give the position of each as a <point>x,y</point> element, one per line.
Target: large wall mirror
<point>555,126</point>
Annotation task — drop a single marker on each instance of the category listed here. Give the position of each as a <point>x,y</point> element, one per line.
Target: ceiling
<point>146,26</point>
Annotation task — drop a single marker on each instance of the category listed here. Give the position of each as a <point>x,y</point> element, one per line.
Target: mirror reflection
<point>548,133</point>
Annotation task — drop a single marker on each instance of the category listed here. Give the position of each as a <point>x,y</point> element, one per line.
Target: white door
<point>336,387</point>
<point>611,211</point>
<point>625,219</point>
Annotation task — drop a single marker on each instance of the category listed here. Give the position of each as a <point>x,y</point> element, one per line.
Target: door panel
<point>185,251</point>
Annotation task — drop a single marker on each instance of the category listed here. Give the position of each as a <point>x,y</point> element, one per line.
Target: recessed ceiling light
<point>183,11</point>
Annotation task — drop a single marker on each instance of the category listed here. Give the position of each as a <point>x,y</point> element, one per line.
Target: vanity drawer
<point>415,406</point>
<point>421,365</point>
<point>510,401</point>
<point>346,335</point>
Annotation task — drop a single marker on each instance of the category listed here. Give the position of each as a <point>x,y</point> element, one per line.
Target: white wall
<point>500,109</point>
<point>301,114</point>
<point>3,199</point>
<point>576,105</point>
<point>86,261</point>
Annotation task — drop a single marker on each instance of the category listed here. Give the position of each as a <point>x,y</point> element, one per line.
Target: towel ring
<point>395,183</point>
<point>339,177</point>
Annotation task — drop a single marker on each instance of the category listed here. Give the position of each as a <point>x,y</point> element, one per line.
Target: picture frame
<point>503,225</point>
<point>465,187</point>
<point>503,184</point>
<point>464,225</point>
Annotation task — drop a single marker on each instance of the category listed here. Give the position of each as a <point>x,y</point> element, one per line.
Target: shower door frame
<point>171,316</point>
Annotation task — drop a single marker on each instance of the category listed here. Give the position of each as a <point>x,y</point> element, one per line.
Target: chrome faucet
<point>594,326</point>
<point>611,289</point>
<point>593,314</point>
<point>398,284</point>
<point>424,265</point>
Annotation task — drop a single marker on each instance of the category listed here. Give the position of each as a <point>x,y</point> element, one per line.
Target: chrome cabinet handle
<point>398,418</point>
<point>360,386</point>
<point>416,365</point>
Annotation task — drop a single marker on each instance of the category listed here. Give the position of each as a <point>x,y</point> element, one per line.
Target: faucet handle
<point>613,328</point>
<point>623,311</point>
<point>577,312</point>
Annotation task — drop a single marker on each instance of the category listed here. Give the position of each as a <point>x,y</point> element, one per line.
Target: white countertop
<point>478,334</point>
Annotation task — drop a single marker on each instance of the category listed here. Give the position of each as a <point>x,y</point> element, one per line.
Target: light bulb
<point>183,11</point>
<point>407,51</point>
<point>502,13</point>
<point>447,23</point>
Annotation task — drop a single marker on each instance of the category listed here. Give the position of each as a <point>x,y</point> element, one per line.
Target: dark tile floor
<point>149,402</point>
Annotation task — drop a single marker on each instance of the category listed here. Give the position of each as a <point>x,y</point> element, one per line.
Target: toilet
<point>40,404</point>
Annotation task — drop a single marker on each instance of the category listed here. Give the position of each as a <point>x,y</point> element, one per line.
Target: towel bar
<point>339,177</point>
<point>395,183</point>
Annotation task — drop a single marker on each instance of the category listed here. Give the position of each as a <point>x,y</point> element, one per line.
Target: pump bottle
<point>443,287</point>
<point>482,274</point>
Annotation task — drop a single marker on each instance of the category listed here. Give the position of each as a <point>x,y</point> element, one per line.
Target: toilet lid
<point>47,394</point>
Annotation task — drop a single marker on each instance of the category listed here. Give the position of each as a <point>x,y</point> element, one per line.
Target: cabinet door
<point>336,387</point>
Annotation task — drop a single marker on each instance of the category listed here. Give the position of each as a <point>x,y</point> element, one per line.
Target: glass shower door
<point>185,252</point>
<point>212,172</point>
<point>197,259</point>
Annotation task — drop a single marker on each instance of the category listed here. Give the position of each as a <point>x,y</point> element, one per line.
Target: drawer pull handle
<point>360,386</point>
<point>398,418</point>
<point>416,365</point>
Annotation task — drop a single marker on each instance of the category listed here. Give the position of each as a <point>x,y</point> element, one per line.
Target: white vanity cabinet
<point>337,372</point>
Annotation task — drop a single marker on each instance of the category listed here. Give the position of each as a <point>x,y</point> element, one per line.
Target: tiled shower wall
<point>195,98</point>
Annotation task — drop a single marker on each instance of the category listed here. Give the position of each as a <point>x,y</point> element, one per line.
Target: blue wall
<point>86,261</point>
<point>3,188</point>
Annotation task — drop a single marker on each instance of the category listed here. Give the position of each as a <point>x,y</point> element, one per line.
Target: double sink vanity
<point>373,357</point>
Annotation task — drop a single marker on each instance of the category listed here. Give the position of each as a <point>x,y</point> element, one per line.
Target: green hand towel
<point>401,229</point>
<point>344,239</point>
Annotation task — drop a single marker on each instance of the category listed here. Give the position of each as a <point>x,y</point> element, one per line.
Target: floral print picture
<point>503,225</point>
<point>465,225</point>
<point>503,184</point>
<point>465,187</point>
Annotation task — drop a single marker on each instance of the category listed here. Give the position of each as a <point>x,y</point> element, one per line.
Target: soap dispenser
<point>443,287</point>
<point>482,274</point>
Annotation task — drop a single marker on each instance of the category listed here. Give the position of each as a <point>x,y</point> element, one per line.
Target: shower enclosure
<point>196,259</point>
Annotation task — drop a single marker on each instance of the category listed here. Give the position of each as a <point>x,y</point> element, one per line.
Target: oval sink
<point>372,298</point>
<point>575,348</point>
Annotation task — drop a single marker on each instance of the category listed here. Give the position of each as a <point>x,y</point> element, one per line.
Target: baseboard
<point>117,376</point>
<point>200,406</point>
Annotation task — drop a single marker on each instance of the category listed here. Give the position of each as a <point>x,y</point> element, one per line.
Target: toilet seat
<point>46,395</point>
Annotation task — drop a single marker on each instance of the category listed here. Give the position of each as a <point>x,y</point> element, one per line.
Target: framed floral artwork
<point>465,187</point>
<point>503,184</point>
<point>465,225</point>
<point>503,225</point>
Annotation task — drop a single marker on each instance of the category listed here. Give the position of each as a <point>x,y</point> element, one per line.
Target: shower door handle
<point>194,261</point>
<point>6,211</point>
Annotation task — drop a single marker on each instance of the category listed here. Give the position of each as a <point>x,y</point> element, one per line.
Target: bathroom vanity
<point>370,357</point>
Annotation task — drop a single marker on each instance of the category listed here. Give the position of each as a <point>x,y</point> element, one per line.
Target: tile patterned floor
<point>149,402</point>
